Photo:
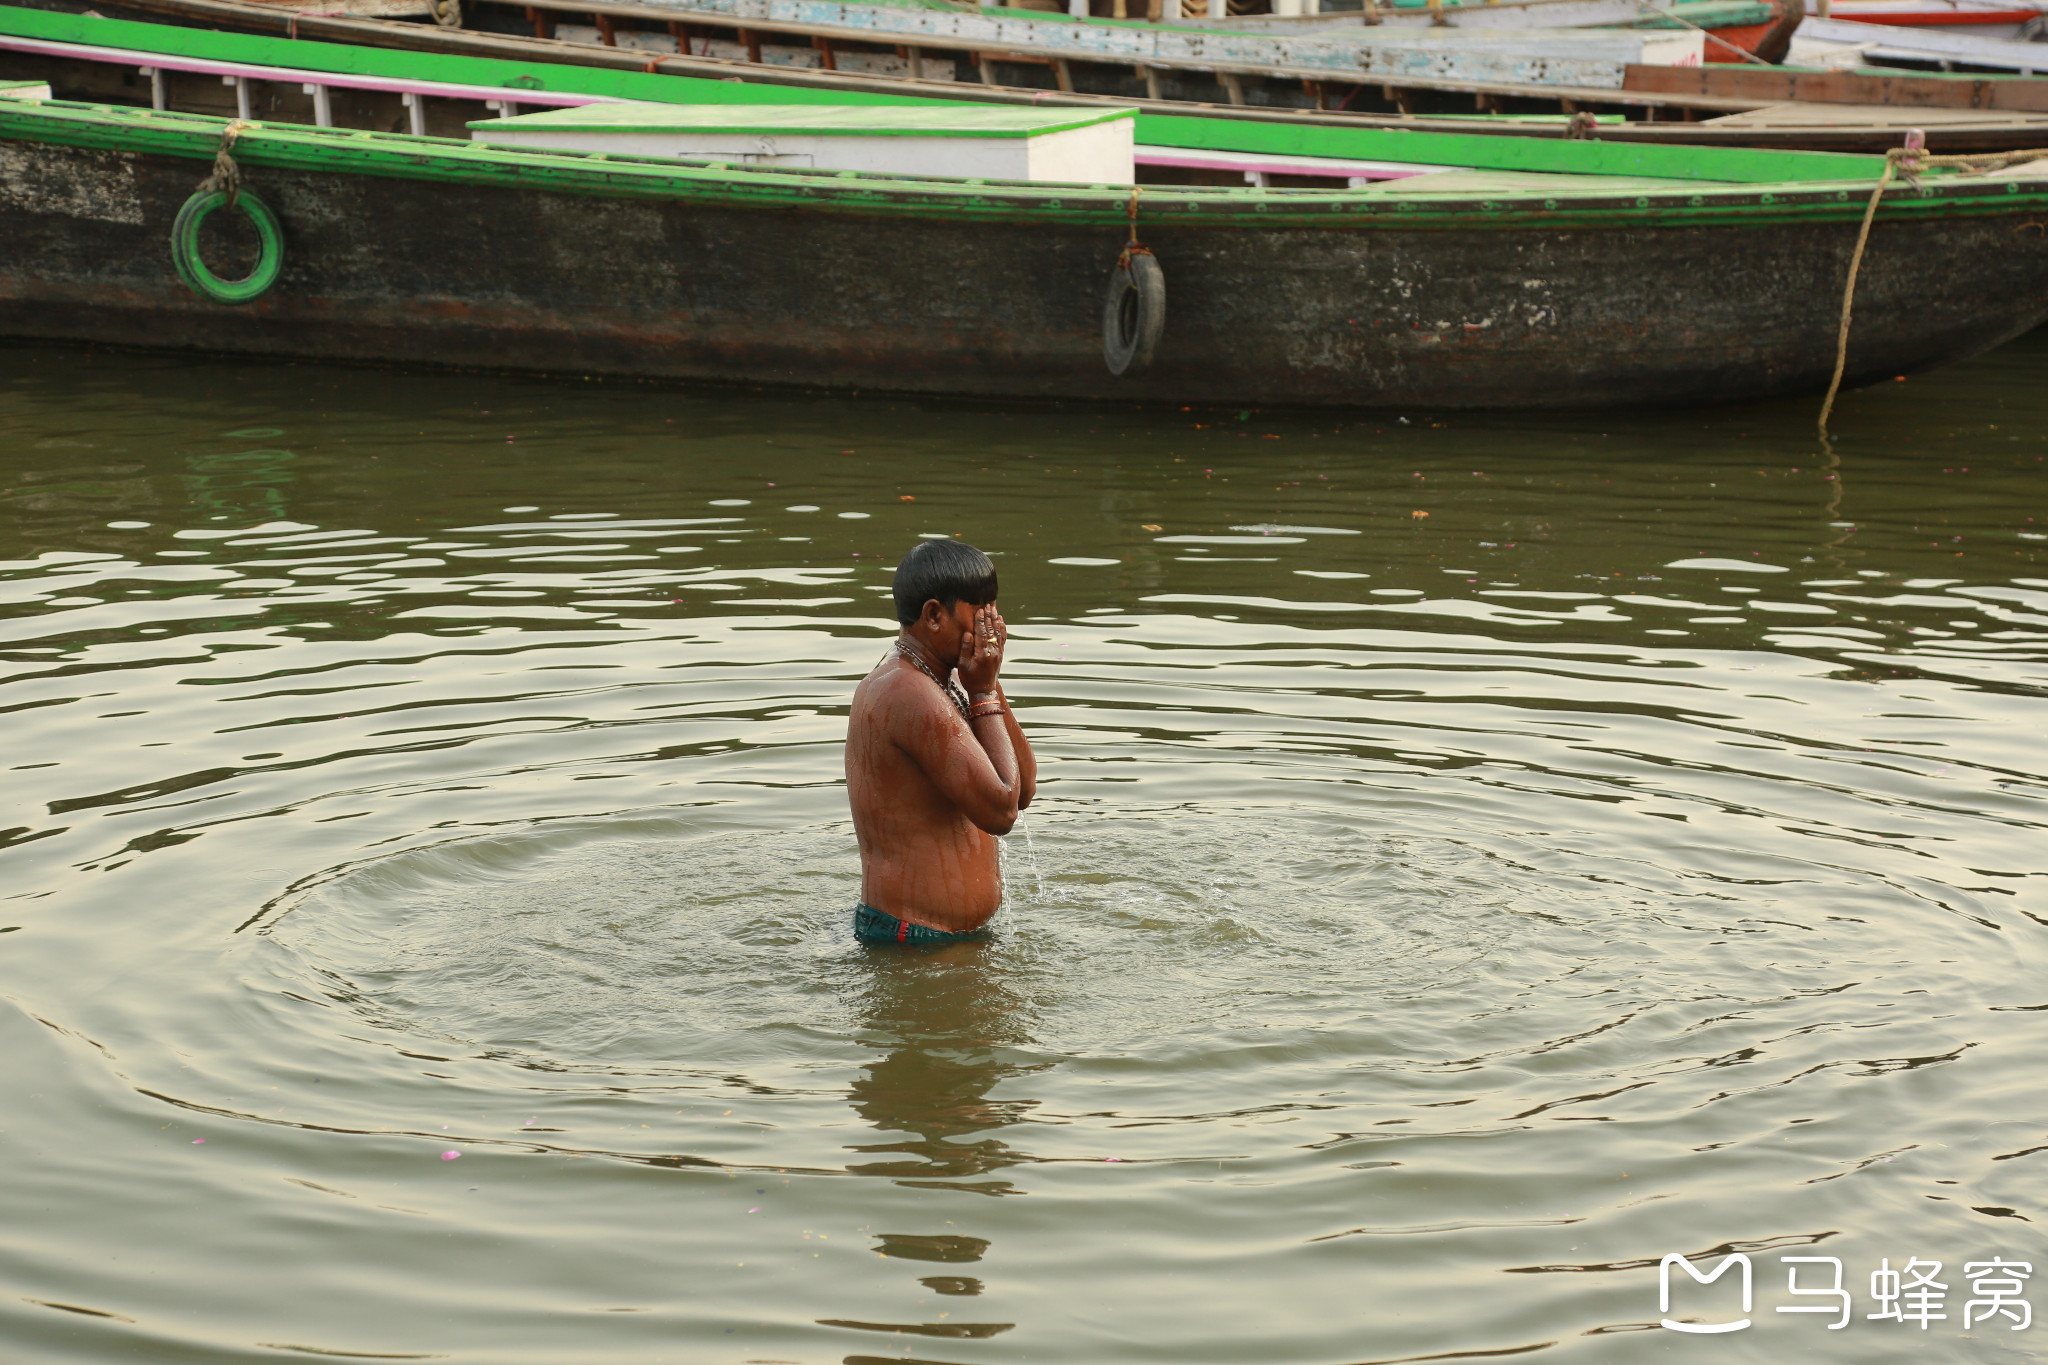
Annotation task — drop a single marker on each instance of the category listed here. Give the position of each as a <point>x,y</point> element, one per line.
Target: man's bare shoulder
<point>896,690</point>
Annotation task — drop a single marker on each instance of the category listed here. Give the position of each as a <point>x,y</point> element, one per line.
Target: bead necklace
<point>916,656</point>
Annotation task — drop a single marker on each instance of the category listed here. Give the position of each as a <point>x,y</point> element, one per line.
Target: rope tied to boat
<point>1907,161</point>
<point>227,176</point>
<point>224,189</point>
<point>1134,310</point>
<point>1133,247</point>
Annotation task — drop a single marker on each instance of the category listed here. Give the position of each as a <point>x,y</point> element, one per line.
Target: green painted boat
<point>1544,274</point>
<point>70,45</point>
<point>1750,106</point>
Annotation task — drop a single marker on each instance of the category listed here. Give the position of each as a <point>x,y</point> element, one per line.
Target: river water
<point>1474,858</point>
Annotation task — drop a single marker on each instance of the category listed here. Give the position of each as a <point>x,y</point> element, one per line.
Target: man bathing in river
<point>935,769</point>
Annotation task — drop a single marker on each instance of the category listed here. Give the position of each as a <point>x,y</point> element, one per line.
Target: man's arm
<point>974,768</point>
<point>975,762</point>
<point>1027,762</point>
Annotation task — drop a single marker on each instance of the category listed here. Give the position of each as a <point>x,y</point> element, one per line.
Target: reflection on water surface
<point>1475,857</point>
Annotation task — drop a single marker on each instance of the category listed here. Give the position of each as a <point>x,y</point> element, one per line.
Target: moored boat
<point>1985,18</point>
<point>1528,280</point>
<point>1735,30</point>
<point>1840,43</point>
<point>95,58</point>
<point>1728,106</point>
<point>1333,68</point>
<point>1518,59</point>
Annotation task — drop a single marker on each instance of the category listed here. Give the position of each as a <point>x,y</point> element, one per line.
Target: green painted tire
<point>192,270</point>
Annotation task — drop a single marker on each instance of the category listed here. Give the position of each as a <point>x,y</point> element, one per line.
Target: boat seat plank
<point>1805,115</point>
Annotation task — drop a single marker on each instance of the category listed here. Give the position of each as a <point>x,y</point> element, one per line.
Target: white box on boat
<point>970,141</point>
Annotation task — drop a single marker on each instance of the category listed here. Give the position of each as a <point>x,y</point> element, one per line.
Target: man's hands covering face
<point>981,651</point>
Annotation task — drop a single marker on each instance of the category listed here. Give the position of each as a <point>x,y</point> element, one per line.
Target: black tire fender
<point>1133,313</point>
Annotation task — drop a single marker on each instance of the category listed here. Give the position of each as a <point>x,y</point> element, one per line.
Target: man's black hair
<point>945,571</point>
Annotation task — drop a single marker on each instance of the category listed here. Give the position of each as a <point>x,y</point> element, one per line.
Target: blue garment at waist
<point>879,926</point>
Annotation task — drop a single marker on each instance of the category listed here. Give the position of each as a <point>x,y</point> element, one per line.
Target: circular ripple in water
<point>647,944</point>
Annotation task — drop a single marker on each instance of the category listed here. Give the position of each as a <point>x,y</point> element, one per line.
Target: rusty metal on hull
<point>428,272</point>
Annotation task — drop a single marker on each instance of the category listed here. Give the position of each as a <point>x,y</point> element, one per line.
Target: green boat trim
<point>403,64</point>
<point>1727,165</point>
<point>1706,14</point>
<point>1482,151</point>
<point>298,147</point>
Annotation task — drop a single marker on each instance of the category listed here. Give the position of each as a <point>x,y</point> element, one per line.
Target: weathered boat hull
<point>837,283</point>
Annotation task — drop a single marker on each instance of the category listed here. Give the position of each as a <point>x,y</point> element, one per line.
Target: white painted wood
<point>323,105</point>
<point>1098,153</point>
<point>1839,42</point>
<point>376,9</point>
<point>1584,58</point>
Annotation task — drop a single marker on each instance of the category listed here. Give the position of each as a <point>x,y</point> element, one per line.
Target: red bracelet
<point>985,708</point>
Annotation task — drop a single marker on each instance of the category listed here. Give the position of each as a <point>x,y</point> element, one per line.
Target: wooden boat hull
<point>439,255</point>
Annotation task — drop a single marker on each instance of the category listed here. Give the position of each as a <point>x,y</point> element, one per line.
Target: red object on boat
<point>1932,13</point>
<point>1767,42</point>
<point>1744,36</point>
